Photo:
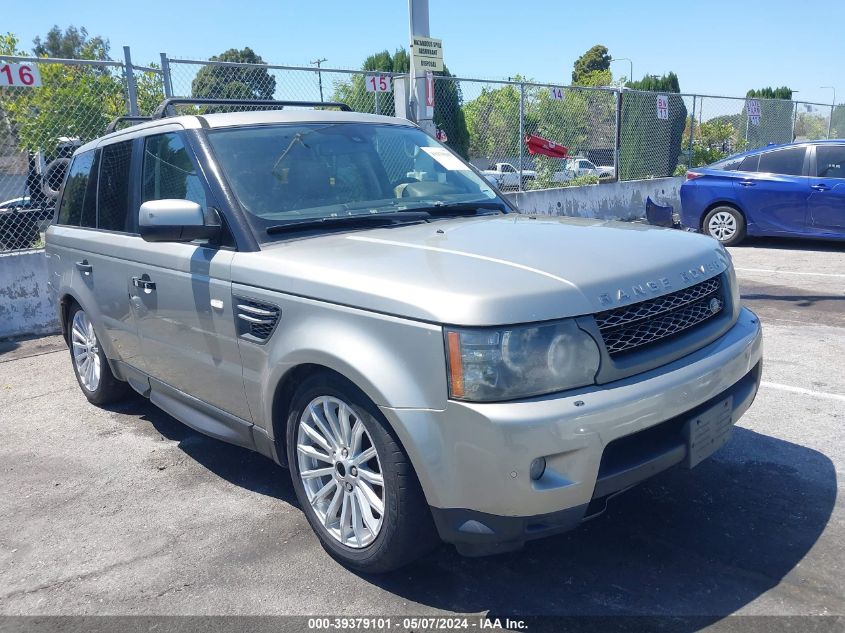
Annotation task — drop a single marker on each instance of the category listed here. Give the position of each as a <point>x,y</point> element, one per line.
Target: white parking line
<point>801,390</point>
<point>788,272</point>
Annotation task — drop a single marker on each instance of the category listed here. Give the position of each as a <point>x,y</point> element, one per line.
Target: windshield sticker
<point>445,158</point>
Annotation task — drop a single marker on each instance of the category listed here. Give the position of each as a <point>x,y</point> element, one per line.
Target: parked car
<point>426,361</point>
<point>795,190</point>
<point>21,203</point>
<point>21,221</point>
<point>583,167</point>
<point>506,176</point>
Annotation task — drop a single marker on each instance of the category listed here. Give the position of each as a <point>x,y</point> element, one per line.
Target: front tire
<point>725,224</point>
<point>90,365</point>
<point>353,480</point>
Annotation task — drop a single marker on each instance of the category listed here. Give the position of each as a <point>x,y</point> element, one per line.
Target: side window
<point>169,172</point>
<point>80,195</point>
<point>787,162</point>
<point>749,163</point>
<point>113,191</point>
<point>830,161</point>
<point>506,169</point>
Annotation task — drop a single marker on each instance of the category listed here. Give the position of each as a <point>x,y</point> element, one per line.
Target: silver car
<point>345,295</point>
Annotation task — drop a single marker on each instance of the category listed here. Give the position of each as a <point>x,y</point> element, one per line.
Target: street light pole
<point>832,107</point>
<point>625,59</point>
<point>317,63</point>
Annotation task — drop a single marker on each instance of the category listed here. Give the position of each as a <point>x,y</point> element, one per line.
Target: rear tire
<point>725,224</point>
<point>90,365</point>
<point>383,541</point>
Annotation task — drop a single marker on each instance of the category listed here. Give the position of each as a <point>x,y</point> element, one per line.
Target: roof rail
<point>167,104</point>
<point>111,127</point>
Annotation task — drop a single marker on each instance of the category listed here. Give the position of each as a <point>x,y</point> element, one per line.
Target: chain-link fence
<point>609,133</point>
<point>42,125</point>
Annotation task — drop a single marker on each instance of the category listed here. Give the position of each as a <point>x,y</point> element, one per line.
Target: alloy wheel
<point>86,357</point>
<point>722,226</point>
<point>340,470</point>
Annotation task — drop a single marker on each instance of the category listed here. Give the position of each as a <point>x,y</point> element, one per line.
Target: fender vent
<point>255,320</point>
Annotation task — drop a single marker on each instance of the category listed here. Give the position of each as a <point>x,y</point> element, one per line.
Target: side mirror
<point>175,221</point>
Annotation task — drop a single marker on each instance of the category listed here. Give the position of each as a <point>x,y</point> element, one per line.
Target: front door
<point>774,195</point>
<point>826,205</point>
<point>181,292</point>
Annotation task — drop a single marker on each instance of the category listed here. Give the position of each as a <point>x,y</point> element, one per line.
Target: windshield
<point>299,172</point>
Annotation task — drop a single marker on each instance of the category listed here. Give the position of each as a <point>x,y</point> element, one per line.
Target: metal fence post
<point>129,73</point>
<point>794,117</point>
<point>376,101</point>
<point>691,133</point>
<point>617,141</point>
<point>165,76</point>
<point>521,130</point>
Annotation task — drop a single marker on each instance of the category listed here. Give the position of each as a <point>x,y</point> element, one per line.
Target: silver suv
<point>348,297</point>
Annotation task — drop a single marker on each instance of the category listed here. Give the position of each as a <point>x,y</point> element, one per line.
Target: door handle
<point>820,187</point>
<point>144,284</point>
<point>84,267</point>
<point>747,183</point>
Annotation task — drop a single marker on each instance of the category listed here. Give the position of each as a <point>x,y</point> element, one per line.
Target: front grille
<point>636,326</point>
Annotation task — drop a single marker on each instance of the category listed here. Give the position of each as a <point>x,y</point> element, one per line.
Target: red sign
<point>540,145</point>
<point>429,89</point>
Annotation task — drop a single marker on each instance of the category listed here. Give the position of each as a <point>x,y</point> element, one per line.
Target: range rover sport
<point>345,295</point>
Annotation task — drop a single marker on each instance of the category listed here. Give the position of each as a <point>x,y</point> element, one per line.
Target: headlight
<point>507,363</point>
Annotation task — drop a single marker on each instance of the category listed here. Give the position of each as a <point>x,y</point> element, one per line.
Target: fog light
<point>538,467</point>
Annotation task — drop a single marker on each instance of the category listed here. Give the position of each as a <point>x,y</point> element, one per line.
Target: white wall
<point>614,200</point>
<point>25,305</point>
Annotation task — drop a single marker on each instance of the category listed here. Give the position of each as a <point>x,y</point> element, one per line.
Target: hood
<point>491,270</point>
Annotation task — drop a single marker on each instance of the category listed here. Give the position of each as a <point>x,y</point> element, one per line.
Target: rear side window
<point>169,172</point>
<point>113,193</point>
<point>727,164</point>
<point>830,161</point>
<point>79,200</point>
<point>787,162</point>
<point>749,163</point>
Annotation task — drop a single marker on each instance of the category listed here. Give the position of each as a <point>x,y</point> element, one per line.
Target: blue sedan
<point>795,190</point>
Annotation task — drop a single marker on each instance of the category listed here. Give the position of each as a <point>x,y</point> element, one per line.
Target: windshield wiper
<point>481,207</point>
<point>360,220</point>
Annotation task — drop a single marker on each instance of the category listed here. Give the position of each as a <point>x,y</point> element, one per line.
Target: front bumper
<point>473,459</point>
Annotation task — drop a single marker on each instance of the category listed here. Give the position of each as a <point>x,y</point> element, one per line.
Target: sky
<point>715,47</point>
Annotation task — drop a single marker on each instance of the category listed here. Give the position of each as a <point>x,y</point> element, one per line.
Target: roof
<point>230,119</point>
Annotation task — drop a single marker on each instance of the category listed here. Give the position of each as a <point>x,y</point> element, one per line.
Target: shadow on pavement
<point>793,244</point>
<point>237,465</point>
<point>688,543</point>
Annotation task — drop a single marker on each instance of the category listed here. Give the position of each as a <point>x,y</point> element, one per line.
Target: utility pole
<point>317,63</point>
<point>418,26</point>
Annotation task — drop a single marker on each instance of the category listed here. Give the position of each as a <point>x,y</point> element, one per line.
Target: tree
<point>650,146</point>
<point>234,82</point>
<point>597,58</point>
<point>448,99</point>
<point>492,121</point>
<point>72,43</point>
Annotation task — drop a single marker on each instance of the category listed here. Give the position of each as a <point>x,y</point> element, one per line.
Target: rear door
<point>826,204</point>
<point>772,190</point>
<point>86,246</point>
